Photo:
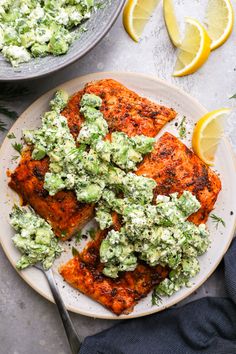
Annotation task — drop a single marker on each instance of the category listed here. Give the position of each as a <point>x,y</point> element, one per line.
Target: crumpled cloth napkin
<point>206,326</point>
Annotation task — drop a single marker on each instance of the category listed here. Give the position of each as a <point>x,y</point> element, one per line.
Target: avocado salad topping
<point>157,234</point>
<point>95,164</point>
<point>100,168</point>
<point>32,28</point>
<point>34,238</point>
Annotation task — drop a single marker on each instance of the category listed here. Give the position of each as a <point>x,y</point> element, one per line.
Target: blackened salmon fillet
<point>84,272</point>
<point>63,211</point>
<point>176,168</point>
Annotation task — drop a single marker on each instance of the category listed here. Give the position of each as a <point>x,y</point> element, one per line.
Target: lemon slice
<point>194,50</point>
<point>135,16</point>
<point>207,134</point>
<point>220,21</point>
<point>171,22</point>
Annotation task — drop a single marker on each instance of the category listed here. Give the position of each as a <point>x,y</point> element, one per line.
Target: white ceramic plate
<point>160,92</point>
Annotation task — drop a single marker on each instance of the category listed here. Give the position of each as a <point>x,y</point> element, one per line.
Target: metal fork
<point>71,333</point>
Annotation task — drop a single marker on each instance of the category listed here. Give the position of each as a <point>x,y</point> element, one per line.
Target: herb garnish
<point>9,91</point>
<point>92,233</point>
<point>18,147</point>
<point>11,136</point>
<point>156,299</point>
<point>182,128</point>
<point>7,112</point>
<point>234,96</point>
<point>100,5</point>
<point>217,220</point>
<point>75,252</point>
<point>78,237</point>
<point>2,126</point>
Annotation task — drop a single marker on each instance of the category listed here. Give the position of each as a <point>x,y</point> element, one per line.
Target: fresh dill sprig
<point>100,5</point>
<point>156,298</point>
<point>234,96</point>
<point>78,237</point>
<point>217,220</point>
<point>7,112</point>
<point>182,128</point>
<point>3,126</point>
<point>74,251</point>
<point>9,91</point>
<point>11,136</point>
<point>18,147</point>
<point>63,233</point>
<point>92,233</point>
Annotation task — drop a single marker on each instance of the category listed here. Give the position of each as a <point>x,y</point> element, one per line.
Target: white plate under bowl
<point>163,93</point>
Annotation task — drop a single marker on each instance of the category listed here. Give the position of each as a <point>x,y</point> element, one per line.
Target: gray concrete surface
<point>29,324</point>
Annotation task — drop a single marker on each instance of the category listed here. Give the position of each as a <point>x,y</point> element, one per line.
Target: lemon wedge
<point>135,16</point>
<point>194,49</point>
<point>171,22</point>
<point>220,21</point>
<point>207,134</point>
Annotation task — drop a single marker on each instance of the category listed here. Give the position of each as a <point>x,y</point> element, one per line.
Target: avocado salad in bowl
<point>100,169</point>
<point>56,33</point>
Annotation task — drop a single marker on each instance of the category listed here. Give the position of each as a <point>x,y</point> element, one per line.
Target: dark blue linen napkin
<point>204,326</point>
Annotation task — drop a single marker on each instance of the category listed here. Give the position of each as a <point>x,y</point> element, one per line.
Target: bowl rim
<point>93,44</point>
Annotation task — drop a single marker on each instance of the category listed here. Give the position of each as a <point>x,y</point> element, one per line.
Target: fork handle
<point>71,333</point>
